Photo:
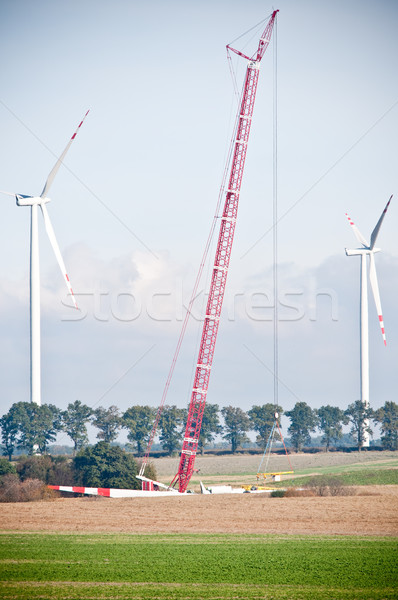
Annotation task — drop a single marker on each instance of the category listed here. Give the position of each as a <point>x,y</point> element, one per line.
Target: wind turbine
<point>367,250</point>
<point>34,202</point>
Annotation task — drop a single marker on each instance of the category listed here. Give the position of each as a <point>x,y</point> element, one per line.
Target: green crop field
<point>64,566</point>
<point>380,469</point>
<point>366,476</point>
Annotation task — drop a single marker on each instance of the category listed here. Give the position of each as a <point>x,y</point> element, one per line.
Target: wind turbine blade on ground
<point>376,230</point>
<point>376,295</point>
<point>57,252</point>
<point>357,233</point>
<point>57,165</point>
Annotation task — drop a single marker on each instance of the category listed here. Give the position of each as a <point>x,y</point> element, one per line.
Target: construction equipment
<point>221,262</point>
<point>219,275</point>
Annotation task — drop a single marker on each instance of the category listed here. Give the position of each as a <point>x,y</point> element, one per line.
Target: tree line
<point>32,428</point>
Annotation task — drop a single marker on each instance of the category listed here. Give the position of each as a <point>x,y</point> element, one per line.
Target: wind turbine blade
<point>357,233</point>
<point>375,231</point>
<point>7,193</point>
<point>57,252</point>
<point>59,162</point>
<point>376,295</point>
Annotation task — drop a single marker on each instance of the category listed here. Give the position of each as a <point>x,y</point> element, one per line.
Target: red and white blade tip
<point>356,231</point>
<point>57,165</point>
<point>66,276</point>
<point>80,124</point>
<point>387,205</point>
<point>382,329</point>
<point>375,289</point>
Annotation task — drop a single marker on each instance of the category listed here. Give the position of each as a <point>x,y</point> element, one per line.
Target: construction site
<point>207,513</point>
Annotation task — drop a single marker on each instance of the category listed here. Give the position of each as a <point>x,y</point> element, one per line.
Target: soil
<point>371,511</point>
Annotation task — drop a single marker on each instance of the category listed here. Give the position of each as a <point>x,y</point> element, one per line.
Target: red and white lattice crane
<point>221,263</point>
<point>220,270</point>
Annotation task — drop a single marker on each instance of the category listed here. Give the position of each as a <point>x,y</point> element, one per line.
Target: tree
<point>262,419</point>
<point>74,420</point>
<point>210,425</point>
<point>107,466</point>
<point>330,422</point>
<point>303,422</point>
<point>9,424</point>
<point>35,467</point>
<point>49,423</point>
<point>30,426</point>
<point>359,415</point>
<point>108,421</point>
<point>6,467</point>
<point>139,421</point>
<point>387,416</point>
<point>171,422</point>
<point>54,470</point>
<point>27,418</point>
<point>237,423</point>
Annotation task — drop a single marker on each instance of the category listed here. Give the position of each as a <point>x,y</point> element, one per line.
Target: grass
<point>357,477</point>
<point>60,566</point>
<point>350,467</point>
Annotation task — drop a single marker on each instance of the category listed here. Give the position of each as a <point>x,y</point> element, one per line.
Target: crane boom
<point>221,264</point>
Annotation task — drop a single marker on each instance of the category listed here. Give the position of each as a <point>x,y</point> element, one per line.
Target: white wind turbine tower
<point>367,250</point>
<point>34,202</point>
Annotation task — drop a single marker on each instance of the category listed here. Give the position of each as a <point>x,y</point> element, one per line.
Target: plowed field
<point>375,514</point>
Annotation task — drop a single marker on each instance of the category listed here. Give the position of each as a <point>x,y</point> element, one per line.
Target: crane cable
<point>233,75</point>
<point>275,221</point>
<point>267,449</point>
<point>255,27</point>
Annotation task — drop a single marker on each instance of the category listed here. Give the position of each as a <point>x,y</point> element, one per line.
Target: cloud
<point>109,354</point>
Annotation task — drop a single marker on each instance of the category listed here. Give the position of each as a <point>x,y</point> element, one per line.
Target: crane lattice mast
<point>221,262</point>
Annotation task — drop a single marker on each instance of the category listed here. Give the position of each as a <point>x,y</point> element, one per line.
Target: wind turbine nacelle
<point>360,251</point>
<point>30,200</point>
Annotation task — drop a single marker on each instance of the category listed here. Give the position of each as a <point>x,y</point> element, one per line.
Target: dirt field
<point>375,514</point>
<point>371,511</point>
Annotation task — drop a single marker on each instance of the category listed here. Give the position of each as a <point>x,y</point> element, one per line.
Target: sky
<point>134,201</point>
